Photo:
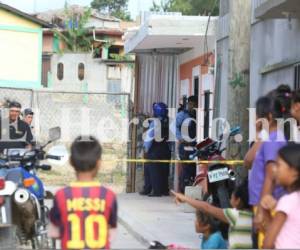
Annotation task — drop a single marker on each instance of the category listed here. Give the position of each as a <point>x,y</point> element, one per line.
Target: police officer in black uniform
<point>156,175</point>
<point>184,118</point>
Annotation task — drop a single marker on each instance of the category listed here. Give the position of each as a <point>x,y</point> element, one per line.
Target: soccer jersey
<point>84,212</point>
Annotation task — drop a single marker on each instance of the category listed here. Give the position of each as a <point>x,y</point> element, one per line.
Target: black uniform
<point>157,174</point>
<point>19,134</point>
<point>188,171</point>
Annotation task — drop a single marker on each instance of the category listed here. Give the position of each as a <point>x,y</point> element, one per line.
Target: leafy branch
<point>75,36</point>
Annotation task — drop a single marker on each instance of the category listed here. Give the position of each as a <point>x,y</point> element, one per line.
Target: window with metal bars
<point>297,77</point>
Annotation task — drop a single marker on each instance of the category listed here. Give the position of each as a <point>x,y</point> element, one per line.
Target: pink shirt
<point>289,236</point>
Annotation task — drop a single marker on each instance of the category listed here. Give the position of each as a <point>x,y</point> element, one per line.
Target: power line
<point>206,32</point>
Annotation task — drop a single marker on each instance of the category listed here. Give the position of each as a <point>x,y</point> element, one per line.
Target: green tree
<point>163,6</point>
<point>75,36</point>
<point>183,6</point>
<point>116,8</point>
<point>188,7</point>
<point>205,7</point>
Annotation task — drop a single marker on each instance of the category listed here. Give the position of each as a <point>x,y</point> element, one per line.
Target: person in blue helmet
<point>156,147</point>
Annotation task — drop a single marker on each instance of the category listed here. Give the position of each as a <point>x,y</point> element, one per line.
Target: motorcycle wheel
<point>208,198</point>
<point>224,202</point>
<point>223,195</point>
<point>43,242</point>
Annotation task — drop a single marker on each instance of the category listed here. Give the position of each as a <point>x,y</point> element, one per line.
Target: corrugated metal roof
<point>60,13</point>
<point>112,32</point>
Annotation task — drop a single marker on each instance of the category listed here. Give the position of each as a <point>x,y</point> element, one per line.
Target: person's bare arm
<point>268,186</point>
<point>112,234</point>
<point>269,180</point>
<point>273,230</point>
<point>250,155</point>
<point>268,202</point>
<point>216,212</point>
<point>53,231</point>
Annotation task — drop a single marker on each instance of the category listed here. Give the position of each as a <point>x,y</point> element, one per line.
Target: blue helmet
<point>160,109</point>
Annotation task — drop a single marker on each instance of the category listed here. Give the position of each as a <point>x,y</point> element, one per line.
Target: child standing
<point>275,107</point>
<point>239,217</point>
<point>208,226</point>
<point>295,107</point>
<point>284,231</point>
<point>85,212</point>
<point>295,112</point>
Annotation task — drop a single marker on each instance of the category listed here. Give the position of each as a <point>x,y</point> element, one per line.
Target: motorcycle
<point>220,178</point>
<point>217,180</point>
<point>7,189</point>
<point>22,209</point>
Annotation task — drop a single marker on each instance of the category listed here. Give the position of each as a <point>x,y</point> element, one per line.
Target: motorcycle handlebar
<point>53,157</point>
<point>45,167</point>
<point>235,131</point>
<point>3,164</point>
<point>194,155</point>
<point>207,149</point>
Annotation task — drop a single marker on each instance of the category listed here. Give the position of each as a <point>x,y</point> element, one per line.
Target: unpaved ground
<point>62,176</point>
<point>112,173</point>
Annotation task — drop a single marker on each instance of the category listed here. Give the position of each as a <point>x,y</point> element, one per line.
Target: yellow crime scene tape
<point>228,162</point>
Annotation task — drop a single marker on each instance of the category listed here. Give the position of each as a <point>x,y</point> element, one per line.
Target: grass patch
<point>112,174</point>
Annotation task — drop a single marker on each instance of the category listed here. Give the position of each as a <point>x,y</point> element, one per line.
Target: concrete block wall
<point>95,73</point>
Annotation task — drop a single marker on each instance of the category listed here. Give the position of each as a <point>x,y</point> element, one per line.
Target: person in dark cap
<point>28,116</point>
<point>19,135</point>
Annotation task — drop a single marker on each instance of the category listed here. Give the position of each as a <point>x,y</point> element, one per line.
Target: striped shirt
<point>84,212</point>
<point>240,229</point>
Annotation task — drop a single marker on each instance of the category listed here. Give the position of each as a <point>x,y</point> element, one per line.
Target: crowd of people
<point>264,206</point>
<point>264,211</point>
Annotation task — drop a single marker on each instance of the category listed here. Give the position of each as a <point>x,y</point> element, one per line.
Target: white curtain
<point>158,81</point>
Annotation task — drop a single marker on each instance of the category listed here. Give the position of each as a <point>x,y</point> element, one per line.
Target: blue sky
<point>134,6</point>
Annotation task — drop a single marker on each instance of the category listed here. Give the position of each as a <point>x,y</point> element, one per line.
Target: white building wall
<point>198,50</point>
<point>273,42</point>
<point>95,77</point>
<point>97,23</point>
